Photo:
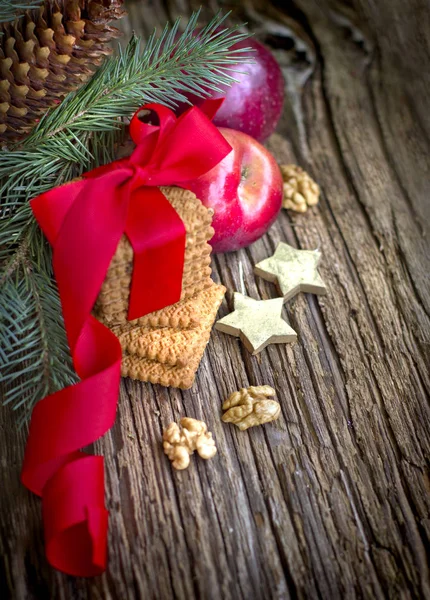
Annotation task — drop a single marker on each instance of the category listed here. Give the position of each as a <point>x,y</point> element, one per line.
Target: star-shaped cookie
<point>257,323</point>
<point>293,271</point>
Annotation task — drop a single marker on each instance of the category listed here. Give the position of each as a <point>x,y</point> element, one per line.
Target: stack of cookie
<point>166,346</point>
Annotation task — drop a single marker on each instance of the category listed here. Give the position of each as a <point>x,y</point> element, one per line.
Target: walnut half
<point>251,406</point>
<point>180,442</point>
<point>300,190</point>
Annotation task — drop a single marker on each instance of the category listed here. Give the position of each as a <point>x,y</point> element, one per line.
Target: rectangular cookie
<point>169,345</point>
<point>185,314</point>
<point>115,313</point>
<point>118,287</point>
<point>111,306</point>
<point>177,376</point>
<point>115,291</point>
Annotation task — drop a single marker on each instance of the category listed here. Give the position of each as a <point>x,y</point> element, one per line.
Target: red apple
<point>245,191</point>
<point>253,104</point>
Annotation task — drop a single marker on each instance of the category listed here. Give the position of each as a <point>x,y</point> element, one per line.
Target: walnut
<point>300,190</point>
<point>251,406</point>
<point>180,443</point>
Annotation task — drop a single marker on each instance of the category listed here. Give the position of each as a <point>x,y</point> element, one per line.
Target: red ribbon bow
<point>84,222</point>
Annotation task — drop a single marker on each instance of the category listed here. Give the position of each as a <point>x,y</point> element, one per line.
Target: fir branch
<point>82,132</point>
<point>12,9</point>
<point>34,356</point>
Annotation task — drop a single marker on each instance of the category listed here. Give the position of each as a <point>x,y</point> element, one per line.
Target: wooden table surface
<point>332,500</point>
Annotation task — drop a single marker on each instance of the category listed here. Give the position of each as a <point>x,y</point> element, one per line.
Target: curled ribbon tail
<point>69,481</point>
<point>76,520</point>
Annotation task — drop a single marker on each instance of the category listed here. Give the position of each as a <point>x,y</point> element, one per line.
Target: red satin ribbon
<point>84,222</point>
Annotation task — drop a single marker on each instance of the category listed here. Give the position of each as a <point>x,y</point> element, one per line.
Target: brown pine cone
<point>47,53</point>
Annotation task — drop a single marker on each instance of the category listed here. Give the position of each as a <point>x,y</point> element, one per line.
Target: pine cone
<point>47,53</point>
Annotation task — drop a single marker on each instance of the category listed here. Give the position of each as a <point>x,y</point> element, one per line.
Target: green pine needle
<point>12,9</point>
<point>83,132</point>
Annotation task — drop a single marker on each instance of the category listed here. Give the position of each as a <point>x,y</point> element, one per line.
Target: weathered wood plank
<point>332,500</point>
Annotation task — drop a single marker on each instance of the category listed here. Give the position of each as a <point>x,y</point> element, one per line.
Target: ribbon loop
<point>84,222</point>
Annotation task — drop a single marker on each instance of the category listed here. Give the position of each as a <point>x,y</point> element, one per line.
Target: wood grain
<point>332,500</point>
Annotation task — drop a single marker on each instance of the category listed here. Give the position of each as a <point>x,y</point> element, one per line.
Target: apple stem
<point>244,173</point>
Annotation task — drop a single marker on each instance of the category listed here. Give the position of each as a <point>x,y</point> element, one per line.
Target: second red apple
<point>244,190</point>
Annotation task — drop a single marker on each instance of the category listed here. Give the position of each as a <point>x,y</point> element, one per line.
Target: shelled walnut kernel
<point>300,190</point>
<point>180,442</point>
<point>251,406</point>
